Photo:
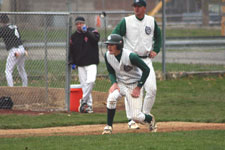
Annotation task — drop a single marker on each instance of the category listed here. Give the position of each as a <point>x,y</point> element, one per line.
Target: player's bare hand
<point>152,54</point>
<point>16,54</point>
<point>136,92</point>
<point>114,87</point>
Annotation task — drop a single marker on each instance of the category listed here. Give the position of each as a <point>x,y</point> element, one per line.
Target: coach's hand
<point>136,92</point>
<point>114,87</point>
<point>84,28</point>
<point>73,66</point>
<point>152,54</point>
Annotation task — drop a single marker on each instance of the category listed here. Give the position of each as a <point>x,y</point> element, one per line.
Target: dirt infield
<point>97,129</point>
<point>118,128</point>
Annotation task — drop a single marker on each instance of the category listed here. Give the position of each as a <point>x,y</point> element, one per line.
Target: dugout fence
<point>46,36</point>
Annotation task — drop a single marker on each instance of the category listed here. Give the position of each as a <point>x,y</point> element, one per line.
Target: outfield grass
<point>192,32</point>
<point>37,67</point>
<point>191,140</point>
<point>55,35</point>
<point>194,100</point>
<point>56,71</point>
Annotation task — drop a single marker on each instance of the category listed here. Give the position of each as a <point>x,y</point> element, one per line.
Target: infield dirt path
<point>118,128</point>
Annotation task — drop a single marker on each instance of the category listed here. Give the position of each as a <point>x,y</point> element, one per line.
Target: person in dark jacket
<point>84,53</point>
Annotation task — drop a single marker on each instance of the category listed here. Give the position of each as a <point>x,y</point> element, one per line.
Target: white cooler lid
<point>75,86</point>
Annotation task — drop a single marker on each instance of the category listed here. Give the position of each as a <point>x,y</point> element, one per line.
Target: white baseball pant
<point>150,88</point>
<point>150,91</point>
<point>12,60</point>
<point>87,77</point>
<point>134,104</point>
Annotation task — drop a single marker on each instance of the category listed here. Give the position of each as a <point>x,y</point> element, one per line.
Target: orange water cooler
<point>75,97</point>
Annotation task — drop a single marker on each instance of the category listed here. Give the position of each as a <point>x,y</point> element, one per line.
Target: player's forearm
<point>157,39</point>
<point>94,36</point>
<point>112,78</point>
<point>137,61</point>
<point>144,77</point>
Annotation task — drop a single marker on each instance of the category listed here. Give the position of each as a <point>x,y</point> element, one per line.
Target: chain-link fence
<point>194,36</point>
<point>44,36</point>
<point>190,46</point>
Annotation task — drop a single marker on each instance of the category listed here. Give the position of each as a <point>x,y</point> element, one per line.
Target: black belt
<point>143,56</point>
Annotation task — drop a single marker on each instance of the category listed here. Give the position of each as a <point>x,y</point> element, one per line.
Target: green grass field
<point>56,71</point>
<point>192,140</point>
<point>188,99</point>
<point>194,100</point>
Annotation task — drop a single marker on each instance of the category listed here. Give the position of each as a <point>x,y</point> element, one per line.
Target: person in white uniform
<point>17,53</point>
<point>128,74</point>
<point>142,36</point>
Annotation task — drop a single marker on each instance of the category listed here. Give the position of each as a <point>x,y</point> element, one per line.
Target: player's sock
<point>110,116</point>
<point>148,118</point>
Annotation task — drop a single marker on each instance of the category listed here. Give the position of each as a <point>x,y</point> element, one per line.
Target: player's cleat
<point>107,130</point>
<point>133,125</point>
<point>82,107</point>
<point>152,124</point>
<point>89,110</point>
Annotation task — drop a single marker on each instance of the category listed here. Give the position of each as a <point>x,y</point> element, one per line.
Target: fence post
<point>105,28</point>
<point>68,66</point>
<point>164,39</point>
<point>46,56</point>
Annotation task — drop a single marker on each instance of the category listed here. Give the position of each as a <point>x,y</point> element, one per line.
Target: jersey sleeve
<point>120,28</point>
<point>93,34</point>
<point>112,74</point>
<point>157,39</point>
<point>135,60</point>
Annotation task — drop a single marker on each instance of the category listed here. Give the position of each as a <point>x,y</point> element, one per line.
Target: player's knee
<point>153,91</point>
<point>111,101</point>
<point>111,104</point>
<point>90,81</point>
<point>8,72</point>
<point>91,78</point>
<point>139,117</point>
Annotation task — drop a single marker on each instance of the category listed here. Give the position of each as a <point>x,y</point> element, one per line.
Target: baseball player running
<point>12,40</point>
<point>142,36</point>
<point>128,74</point>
